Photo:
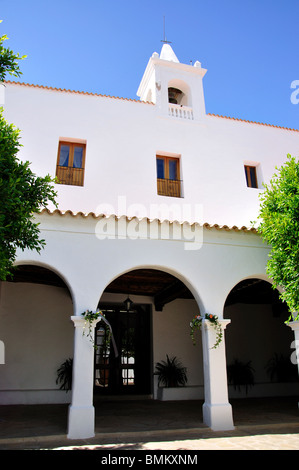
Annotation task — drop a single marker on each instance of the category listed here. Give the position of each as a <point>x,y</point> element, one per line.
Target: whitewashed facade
<point>112,222</point>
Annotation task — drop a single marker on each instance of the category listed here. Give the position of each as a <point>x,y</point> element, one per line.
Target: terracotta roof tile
<point>253,122</point>
<point>74,91</point>
<point>139,101</point>
<point>206,225</point>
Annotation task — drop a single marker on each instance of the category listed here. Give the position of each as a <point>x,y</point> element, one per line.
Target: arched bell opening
<point>179,93</point>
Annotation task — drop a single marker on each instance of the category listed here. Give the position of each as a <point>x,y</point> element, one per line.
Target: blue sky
<point>249,47</point>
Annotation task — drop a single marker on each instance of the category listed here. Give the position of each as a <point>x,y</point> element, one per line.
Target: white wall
<point>123,138</point>
<point>171,336</point>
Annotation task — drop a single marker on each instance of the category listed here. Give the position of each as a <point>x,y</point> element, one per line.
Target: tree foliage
<point>9,61</point>
<point>22,193</point>
<point>279,227</point>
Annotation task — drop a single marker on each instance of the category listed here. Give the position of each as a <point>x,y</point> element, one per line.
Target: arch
<point>163,304</point>
<point>57,274</point>
<point>230,282</point>
<point>258,335</point>
<point>256,290</point>
<point>39,334</point>
<point>183,96</point>
<point>159,268</point>
<point>260,287</point>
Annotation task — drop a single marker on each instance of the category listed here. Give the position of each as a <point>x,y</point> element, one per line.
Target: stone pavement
<point>260,424</point>
<point>246,442</point>
<point>242,438</point>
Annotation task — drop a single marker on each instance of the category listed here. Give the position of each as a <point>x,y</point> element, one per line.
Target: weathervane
<point>165,40</point>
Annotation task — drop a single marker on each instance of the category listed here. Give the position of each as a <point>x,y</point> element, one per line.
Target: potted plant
<point>281,369</point>
<point>90,317</point>
<point>240,374</point>
<point>65,375</point>
<point>171,373</point>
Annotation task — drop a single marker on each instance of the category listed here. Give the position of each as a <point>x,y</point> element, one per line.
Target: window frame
<point>70,175</point>
<point>249,182</point>
<point>166,186</point>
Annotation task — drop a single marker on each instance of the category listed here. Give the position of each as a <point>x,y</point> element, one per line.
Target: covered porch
<point>47,325</point>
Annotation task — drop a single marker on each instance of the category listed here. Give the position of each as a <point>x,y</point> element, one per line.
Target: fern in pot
<point>65,375</point>
<point>171,373</point>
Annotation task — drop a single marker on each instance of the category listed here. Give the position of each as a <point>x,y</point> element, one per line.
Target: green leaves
<point>279,227</point>
<point>65,375</point>
<point>9,61</point>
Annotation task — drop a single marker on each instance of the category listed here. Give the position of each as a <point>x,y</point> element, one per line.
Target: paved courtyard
<point>260,424</point>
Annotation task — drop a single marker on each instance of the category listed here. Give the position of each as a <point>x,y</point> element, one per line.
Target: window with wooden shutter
<point>71,163</point>
<point>168,176</point>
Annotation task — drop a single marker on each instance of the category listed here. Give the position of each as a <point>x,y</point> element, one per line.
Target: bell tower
<point>175,88</point>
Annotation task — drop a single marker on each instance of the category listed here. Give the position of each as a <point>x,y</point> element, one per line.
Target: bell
<point>174,95</point>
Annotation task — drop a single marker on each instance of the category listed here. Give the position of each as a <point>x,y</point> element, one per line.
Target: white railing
<point>181,112</point>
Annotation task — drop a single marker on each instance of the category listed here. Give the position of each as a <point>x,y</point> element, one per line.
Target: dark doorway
<point>130,371</point>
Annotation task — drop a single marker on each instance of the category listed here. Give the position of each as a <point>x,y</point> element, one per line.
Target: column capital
<point>222,321</point>
<point>294,325</point>
<point>80,321</point>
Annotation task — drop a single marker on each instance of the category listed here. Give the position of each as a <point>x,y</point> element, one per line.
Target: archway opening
<point>36,274</point>
<point>258,342</point>
<point>154,325</point>
<point>161,286</point>
<point>179,93</point>
<point>35,310</point>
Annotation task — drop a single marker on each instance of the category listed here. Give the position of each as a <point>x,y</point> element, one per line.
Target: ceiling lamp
<point>128,304</point>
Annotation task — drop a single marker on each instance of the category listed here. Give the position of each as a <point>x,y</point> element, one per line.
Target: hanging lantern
<point>128,304</point>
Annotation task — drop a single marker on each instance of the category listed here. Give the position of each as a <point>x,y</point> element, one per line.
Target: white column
<point>81,419</point>
<point>217,411</point>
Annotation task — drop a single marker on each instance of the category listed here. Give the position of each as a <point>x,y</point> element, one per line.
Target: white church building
<point>156,203</point>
